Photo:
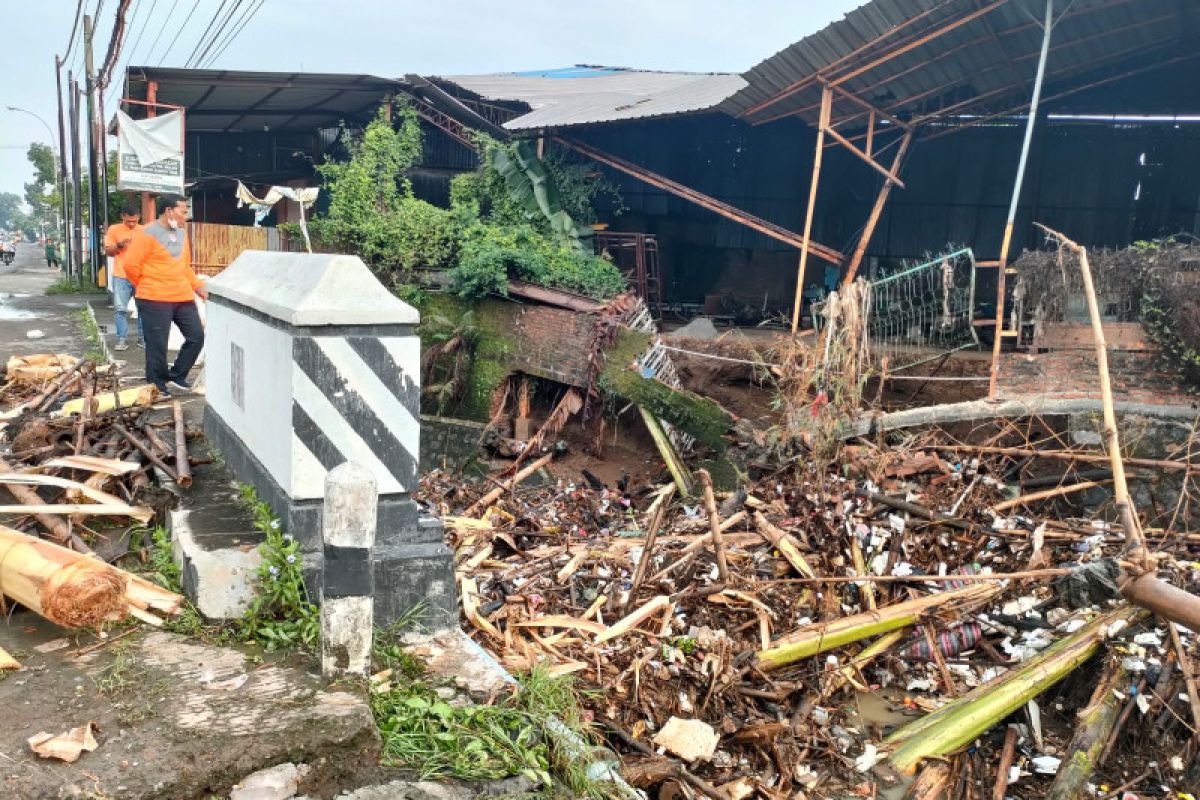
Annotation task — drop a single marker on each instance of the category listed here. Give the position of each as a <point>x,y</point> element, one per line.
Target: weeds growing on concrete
<point>91,334</point>
<point>280,616</point>
<point>66,285</point>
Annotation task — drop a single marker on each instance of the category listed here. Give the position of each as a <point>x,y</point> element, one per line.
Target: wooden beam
<point>876,211</point>
<point>874,110</point>
<point>823,124</point>
<point>777,232</point>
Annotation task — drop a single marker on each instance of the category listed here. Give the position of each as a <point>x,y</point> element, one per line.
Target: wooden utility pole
<point>94,235</point>
<point>148,210</point>
<point>76,178</point>
<point>62,172</point>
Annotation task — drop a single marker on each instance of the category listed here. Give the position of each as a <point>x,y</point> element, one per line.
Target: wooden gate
<point>214,247</point>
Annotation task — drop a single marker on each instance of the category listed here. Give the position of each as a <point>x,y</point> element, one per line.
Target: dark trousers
<point>157,317</point>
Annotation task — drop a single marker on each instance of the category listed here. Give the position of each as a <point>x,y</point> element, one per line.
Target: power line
<point>114,44</point>
<point>236,32</point>
<point>74,29</point>
<point>167,52</point>
<point>145,24</point>
<point>221,31</point>
<point>163,27</point>
<point>204,35</point>
<point>117,86</point>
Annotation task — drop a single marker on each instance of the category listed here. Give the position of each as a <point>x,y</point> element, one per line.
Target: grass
<point>91,334</point>
<point>65,285</point>
<point>423,732</point>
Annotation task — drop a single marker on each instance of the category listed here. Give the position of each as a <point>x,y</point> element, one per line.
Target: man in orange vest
<point>159,264</point>
<point>116,240</point>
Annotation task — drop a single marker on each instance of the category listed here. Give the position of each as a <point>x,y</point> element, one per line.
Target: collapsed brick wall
<point>1071,374</point>
<point>551,342</point>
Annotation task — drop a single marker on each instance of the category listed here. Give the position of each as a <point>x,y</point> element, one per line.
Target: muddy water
<point>879,714</point>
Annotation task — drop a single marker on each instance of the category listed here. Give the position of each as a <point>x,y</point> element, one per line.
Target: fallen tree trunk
<point>965,718</point>
<point>65,587</point>
<point>1096,722</point>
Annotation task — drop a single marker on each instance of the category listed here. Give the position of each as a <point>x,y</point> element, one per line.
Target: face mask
<point>174,223</point>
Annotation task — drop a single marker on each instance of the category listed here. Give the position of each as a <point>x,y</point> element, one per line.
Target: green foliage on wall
<point>517,216</point>
<point>691,413</point>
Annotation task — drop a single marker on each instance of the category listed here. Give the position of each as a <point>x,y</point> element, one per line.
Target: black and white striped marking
<point>353,400</point>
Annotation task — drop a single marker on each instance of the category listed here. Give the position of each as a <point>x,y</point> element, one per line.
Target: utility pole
<point>62,171</point>
<point>76,180</point>
<point>93,182</point>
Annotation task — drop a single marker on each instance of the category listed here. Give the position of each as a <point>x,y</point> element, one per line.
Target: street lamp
<point>57,165</point>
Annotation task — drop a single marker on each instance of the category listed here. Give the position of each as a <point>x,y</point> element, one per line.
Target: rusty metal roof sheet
<point>957,59</point>
<point>584,95</point>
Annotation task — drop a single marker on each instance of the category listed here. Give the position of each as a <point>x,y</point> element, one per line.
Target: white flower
<point>275,524</point>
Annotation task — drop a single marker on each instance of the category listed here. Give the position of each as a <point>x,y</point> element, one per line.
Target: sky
<point>391,38</point>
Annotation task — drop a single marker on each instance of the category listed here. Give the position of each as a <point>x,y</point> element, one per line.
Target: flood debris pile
<point>921,609</point>
<point>78,467</point>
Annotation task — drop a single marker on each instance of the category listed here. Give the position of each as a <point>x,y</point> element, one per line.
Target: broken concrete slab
<point>698,328</point>
<point>176,718</point>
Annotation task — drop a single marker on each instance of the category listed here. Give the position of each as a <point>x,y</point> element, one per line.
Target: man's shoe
<point>141,343</point>
<point>179,385</point>
<point>121,345</point>
<point>163,391</point>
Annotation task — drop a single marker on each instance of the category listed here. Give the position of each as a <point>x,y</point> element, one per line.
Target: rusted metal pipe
<point>1167,601</point>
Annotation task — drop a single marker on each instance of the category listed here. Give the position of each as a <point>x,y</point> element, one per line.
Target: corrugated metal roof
<point>984,63</point>
<point>580,95</point>
<point>221,100</point>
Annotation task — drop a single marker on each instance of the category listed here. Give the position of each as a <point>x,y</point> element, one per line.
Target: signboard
<point>150,153</point>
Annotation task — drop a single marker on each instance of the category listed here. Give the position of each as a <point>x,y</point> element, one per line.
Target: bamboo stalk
<point>658,510</point>
<point>1066,455</point>
<point>785,544</point>
<point>678,469</point>
<point>1129,520</point>
<point>714,524</point>
<point>1046,494</point>
<point>1189,679</point>
<point>813,639</point>
<point>694,545</point>
<point>868,654</point>
<point>141,447</point>
<point>58,528</point>
<point>1096,722</point>
<point>931,784</point>
<point>183,467</point>
<point>1006,759</point>
<point>635,618</point>
<point>964,719</point>
<point>482,503</point>
<point>137,396</point>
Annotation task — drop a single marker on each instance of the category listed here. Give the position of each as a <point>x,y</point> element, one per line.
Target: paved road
<point>25,307</point>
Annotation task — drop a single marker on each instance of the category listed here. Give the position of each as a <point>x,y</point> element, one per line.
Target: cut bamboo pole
<point>58,528</point>
<point>137,396</point>
<point>868,654</point>
<point>1046,494</point>
<point>1006,759</point>
<point>141,447</point>
<point>931,784</point>
<point>1129,520</point>
<point>699,542</point>
<point>119,506</point>
<point>183,468</point>
<point>964,719</point>
<point>635,618</point>
<point>658,510</point>
<point>678,469</point>
<point>65,587</point>
<point>1096,722</point>
<point>494,495</point>
<point>714,524</point>
<point>784,543</point>
<point>813,639</point>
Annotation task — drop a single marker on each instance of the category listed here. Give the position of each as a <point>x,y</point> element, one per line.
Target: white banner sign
<point>151,153</point>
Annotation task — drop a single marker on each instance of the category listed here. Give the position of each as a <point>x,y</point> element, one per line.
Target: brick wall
<point>550,342</point>
<point>1072,374</point>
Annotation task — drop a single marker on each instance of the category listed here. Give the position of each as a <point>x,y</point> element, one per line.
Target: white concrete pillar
<point>347,577</point>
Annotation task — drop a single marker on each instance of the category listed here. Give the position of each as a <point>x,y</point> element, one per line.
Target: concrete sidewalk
<point>25,308</point>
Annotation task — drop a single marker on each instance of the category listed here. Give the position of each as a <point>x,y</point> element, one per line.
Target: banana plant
<point>531,186</point>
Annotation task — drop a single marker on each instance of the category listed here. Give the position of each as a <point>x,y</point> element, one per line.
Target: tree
<point>11,215</point>
<point>42,193</point>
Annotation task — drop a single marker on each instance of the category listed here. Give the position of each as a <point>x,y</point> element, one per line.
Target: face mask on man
<point>174,223</point>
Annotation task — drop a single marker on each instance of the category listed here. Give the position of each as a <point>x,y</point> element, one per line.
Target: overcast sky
<point>394,37</point>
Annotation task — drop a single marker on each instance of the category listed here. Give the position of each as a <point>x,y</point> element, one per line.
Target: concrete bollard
<point>347,577</point>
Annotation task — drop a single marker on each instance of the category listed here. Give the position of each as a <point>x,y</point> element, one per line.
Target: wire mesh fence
<point>912,316</point>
